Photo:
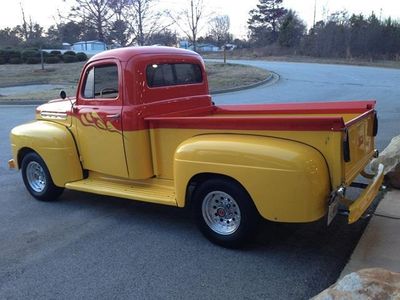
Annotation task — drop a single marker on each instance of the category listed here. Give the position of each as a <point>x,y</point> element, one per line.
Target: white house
<point>89,46</point>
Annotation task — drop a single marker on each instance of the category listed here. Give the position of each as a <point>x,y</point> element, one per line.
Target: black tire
<point>37,178</point>
<point>224,212</point>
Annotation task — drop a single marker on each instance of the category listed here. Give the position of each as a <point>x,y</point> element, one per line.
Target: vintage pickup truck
<point>143,127</point>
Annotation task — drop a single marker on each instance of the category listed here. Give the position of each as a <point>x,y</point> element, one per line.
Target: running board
<point>152,190</point>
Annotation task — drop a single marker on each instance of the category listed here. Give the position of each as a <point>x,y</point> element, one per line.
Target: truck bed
<point>331,116</point>
<point>323,126</point>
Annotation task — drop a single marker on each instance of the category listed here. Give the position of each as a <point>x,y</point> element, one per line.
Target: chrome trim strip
<point>53,115</point>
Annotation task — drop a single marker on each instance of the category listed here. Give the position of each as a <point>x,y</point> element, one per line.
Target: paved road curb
<point>271,79</point>
<point>22,102</point>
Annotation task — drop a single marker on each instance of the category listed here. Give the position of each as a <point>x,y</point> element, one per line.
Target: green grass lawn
<point>66,77</point>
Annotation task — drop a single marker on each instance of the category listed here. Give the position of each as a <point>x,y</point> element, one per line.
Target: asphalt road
<point>88,246</point>
<point>302,82</point>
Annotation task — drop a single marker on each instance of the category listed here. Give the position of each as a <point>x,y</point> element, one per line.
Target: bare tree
<point>144,20</point>
<point>219,29</point>
<point>24,27</point>
<point>29,31</point>
<point>189,20</point>
<point>97,14</point>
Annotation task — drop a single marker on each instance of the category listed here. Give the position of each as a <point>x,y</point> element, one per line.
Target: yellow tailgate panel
<point>361,148</point>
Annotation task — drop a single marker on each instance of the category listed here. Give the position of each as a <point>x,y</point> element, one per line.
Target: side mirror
<point>63,95</point>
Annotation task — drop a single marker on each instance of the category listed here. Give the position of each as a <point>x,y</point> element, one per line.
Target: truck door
<point>97,115</point>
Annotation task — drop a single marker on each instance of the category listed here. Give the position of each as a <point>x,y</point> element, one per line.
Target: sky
<point>44,11</point>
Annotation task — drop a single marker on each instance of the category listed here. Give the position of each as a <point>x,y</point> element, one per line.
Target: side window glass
<point>173,74</point>
<point>89,85</point>
<point>106,82</point>
<point>102,83</point>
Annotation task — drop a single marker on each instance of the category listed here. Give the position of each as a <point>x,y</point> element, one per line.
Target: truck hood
<point>58,110</point>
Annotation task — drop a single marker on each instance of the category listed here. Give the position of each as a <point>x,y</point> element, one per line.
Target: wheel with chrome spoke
<point>224,212</point>
<point>37,178</point>
<point>221,212</point>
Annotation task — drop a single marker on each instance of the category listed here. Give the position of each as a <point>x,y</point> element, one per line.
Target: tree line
<point>340,35</point>
<point>270,26</point>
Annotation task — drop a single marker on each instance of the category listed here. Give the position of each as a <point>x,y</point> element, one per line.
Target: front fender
<point>288,181</point>
<point>54,143</point>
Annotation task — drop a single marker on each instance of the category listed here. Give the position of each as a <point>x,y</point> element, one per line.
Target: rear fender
<point>288,181</point>
<point>54,143</point>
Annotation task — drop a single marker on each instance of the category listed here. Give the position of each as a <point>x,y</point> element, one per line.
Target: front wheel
<point>37,178</point>
<point>224,212</point>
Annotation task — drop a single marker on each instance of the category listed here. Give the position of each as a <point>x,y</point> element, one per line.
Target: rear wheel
<point>224,212</point>
<point>37,178</point>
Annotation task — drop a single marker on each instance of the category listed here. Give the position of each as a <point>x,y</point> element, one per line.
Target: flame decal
<point>93,119</point>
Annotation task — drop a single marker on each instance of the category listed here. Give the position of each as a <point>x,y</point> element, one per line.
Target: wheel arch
<point>54,143</point>
<point>200,178</point>
<point>22,153</point>
<point>288,181</point>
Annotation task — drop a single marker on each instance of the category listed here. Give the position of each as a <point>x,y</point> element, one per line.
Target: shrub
<point>2,57</point>
<point>15,60</point>
<point>8,54</point>
<point>52,60</point>
<point>33,60</point>
<point>69,58</point>
<point>70,53</point>
<point>55,53</point>
<point>28,54</point>
<point>81,56</point>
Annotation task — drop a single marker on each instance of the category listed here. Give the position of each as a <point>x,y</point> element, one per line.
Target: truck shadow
<point>316,237</point>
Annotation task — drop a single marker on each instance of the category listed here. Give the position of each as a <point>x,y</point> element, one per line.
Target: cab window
<point>101,82</point>
<point>158,75</point>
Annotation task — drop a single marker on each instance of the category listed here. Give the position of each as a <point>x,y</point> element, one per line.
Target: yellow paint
<point>361,148</point>
<point>288,174</point>
<point>55,145</point>
<point>152,190</point>
<point>100,149</point>
<point>138,154</point>
<point>288,181</point>
<point>56,111</point>
<point>328,143</point>
<point>358,207</point>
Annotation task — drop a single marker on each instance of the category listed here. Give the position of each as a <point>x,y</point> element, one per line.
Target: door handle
<point>113,117</point>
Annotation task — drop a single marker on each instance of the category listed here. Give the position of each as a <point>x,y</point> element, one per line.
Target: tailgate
<point>359,144</point>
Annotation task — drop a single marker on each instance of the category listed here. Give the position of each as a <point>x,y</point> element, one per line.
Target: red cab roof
<point>124,54</point>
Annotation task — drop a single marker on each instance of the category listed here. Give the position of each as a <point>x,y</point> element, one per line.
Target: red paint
<point>252,123</point>
<point>190,106</point>
<point>300,108</point>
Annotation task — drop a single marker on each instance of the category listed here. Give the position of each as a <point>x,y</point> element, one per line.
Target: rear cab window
<point>101,82</point>
<point>162,75</point>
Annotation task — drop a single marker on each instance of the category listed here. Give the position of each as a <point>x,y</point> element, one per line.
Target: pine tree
<point>291,30</point>
<point>264,21</point>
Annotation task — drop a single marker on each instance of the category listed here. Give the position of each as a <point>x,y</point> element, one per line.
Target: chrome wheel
<point>36,176</point>
<point>221,212</point>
